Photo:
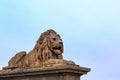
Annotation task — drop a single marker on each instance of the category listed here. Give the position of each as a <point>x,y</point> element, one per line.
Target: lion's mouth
<point>57,50</point>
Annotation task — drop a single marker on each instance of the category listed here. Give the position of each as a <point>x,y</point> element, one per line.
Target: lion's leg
<point>60,56</point>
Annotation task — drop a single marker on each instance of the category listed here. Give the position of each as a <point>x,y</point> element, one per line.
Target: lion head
<point>49,46</point>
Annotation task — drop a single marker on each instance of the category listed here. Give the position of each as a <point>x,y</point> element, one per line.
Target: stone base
<point>48,73</point>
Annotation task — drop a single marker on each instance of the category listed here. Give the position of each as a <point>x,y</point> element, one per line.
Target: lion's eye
<point>54,39</point>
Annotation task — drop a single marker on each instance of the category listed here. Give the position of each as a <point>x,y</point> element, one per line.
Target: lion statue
<point>48,46</point>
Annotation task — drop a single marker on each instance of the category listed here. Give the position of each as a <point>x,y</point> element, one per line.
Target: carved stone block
<point>49,73</point>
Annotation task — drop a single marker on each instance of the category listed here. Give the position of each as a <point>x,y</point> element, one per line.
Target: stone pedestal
<point>51,73</point>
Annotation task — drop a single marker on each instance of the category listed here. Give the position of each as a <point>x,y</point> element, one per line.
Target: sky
<point>90,30</point>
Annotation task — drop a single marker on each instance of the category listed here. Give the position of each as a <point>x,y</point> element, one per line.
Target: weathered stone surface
<point>48,46</point>
<point>58,63</point>
<point>68,72</point>
<point>43,62</point>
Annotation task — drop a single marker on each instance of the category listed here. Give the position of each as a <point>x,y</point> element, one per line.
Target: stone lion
<point>48,46</point>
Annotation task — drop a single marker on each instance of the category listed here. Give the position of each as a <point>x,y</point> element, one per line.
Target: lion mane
<point>48,46</point>
<point>44,48</point>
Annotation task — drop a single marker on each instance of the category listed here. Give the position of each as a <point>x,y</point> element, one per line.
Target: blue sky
<point>90,30</point>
